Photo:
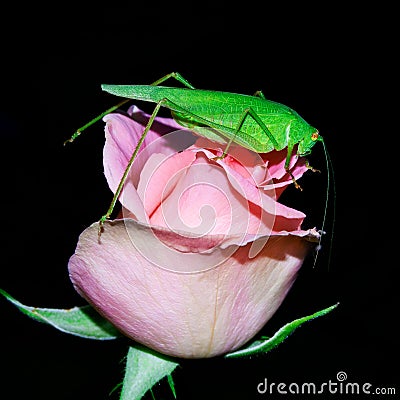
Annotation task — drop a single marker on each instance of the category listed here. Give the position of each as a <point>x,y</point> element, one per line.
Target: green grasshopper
<point>253,122</point>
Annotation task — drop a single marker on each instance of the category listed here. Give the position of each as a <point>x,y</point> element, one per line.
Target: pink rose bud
<point>204,254</point>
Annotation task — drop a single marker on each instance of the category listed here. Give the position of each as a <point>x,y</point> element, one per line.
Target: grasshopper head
<point>309,141</point>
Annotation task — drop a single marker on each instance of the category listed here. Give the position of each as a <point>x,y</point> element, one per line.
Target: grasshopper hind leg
<point>174,75</point>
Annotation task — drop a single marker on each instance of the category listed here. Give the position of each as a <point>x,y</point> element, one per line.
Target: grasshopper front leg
<point>117,193</point>
<point>287,165</point>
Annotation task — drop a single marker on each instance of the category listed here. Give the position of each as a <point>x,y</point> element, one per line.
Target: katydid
<point>253,122</point>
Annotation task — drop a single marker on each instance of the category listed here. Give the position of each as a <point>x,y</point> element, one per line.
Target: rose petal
<point>204,202</point>
<point>158,176</point>
<point>273,215</point>
<point>276,167</point>
<point>195,315</point>
<point>122,135</point>
<point>248,163</point>
<point>161,125</point>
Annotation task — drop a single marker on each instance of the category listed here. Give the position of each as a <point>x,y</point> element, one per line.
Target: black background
<point>326,64</point>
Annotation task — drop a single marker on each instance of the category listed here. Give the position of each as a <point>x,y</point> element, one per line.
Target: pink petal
<point>122,135</point>
<point>275,161</point>
<point>204,202</point>
<point>159,175</point>
<point>161,125</point>
<point>191,315</point>
<point>248,163</point>
<point>270,212</point>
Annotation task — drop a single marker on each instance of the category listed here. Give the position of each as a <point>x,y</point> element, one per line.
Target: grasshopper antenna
<point>329,169</point>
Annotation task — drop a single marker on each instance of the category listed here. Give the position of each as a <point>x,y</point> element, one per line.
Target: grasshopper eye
<point>314,136</point>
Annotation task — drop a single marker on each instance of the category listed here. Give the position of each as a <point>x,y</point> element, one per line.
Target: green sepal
<point>144,368</point>
<point>83,321</point>
<point>264,346</point>
<point>171,385</point>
